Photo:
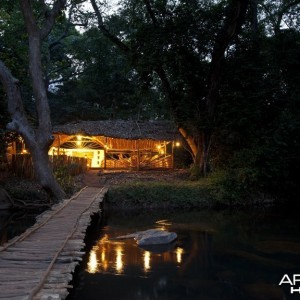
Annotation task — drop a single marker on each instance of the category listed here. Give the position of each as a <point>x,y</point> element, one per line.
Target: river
<point>218,255</point>
<point>15,222</point>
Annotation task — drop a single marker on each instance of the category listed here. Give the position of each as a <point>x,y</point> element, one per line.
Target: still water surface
<point>218,255</point>
<point>14,222</point>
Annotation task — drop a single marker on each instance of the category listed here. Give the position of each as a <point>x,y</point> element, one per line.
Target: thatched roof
<point>155,130</point>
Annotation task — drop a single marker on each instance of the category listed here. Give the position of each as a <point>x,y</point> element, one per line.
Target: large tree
<point>106,88</point>
<point>39,19</point>
<point>183,43</point>
<point>258,135</point>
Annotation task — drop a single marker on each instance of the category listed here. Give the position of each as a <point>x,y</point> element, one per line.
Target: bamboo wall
<point>21,165</point>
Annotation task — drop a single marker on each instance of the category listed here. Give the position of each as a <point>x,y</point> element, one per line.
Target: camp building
<point>117,144</point>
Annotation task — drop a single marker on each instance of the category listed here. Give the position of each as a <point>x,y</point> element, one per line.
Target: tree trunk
<point>44,174</point>
<point>254,16</point>
<point>37,147</point>
<point>39,139</point>
<point>205,150</point>
<point>232,24</point>
<point>199,144</point>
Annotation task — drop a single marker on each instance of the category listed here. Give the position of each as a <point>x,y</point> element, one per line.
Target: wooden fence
<point>21,165</point>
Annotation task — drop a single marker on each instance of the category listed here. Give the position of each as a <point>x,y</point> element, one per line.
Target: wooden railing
<point>154,162</point>
<point>21,165</point>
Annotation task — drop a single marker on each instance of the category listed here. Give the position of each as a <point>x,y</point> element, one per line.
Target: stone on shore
<point>151,237</point>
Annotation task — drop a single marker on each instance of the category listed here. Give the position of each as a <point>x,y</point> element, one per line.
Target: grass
<point>219,190</point>
<point>155,194</point>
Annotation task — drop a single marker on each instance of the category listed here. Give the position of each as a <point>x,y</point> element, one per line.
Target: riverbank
<point>183,195</point>
<point>28,194</point>
<point>146,189</point>
<point>175,190</point>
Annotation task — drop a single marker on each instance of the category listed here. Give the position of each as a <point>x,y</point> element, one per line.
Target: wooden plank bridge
<point>39,263</point>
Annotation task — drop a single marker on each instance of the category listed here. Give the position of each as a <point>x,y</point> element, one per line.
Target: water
<point>218,255</point>
<point>15,222</point>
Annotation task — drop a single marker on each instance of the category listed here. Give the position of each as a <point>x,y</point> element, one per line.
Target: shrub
<point>160,194</point>
<point>63,175</point>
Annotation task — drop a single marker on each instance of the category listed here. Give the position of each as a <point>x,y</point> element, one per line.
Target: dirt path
<point>96,178</point>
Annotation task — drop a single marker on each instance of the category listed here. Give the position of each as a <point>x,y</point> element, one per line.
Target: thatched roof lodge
<point>118,143</point>
<point>134,130</point>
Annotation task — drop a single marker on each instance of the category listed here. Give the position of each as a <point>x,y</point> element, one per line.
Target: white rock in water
<point>151,237</point>
<point>156,237</point>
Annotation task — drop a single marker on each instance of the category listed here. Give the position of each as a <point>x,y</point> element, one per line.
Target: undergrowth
<point>161,194</point>
<point>216,191</point>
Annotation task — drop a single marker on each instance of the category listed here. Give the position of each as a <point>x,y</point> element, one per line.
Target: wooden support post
<point>138,155</point>
<point>14,148</point>
<point>172,159</point>
<point>58,148</point>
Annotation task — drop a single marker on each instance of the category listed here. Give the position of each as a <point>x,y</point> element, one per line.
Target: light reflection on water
<point>179,252</point>
<point>147,257</point>
<point>115,257</point>
<point>217,256</point>
<point>93,262</point>
<point>119,261</point>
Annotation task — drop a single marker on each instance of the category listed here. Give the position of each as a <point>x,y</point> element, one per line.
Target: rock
<point>155,237</point>
<point>5,200</point>
<point>151,237</point>
<point>158,249</point>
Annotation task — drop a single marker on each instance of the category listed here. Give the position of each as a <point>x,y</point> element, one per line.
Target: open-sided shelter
<point>118,144</point>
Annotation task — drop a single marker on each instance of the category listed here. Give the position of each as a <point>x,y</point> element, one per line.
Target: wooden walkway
<point>39,263</point>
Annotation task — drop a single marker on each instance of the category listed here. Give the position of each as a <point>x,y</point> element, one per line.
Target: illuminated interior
<point>114,153</point>
<point>81,146</point>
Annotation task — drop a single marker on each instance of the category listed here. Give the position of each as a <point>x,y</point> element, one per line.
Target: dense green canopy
<point>226,72</point>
